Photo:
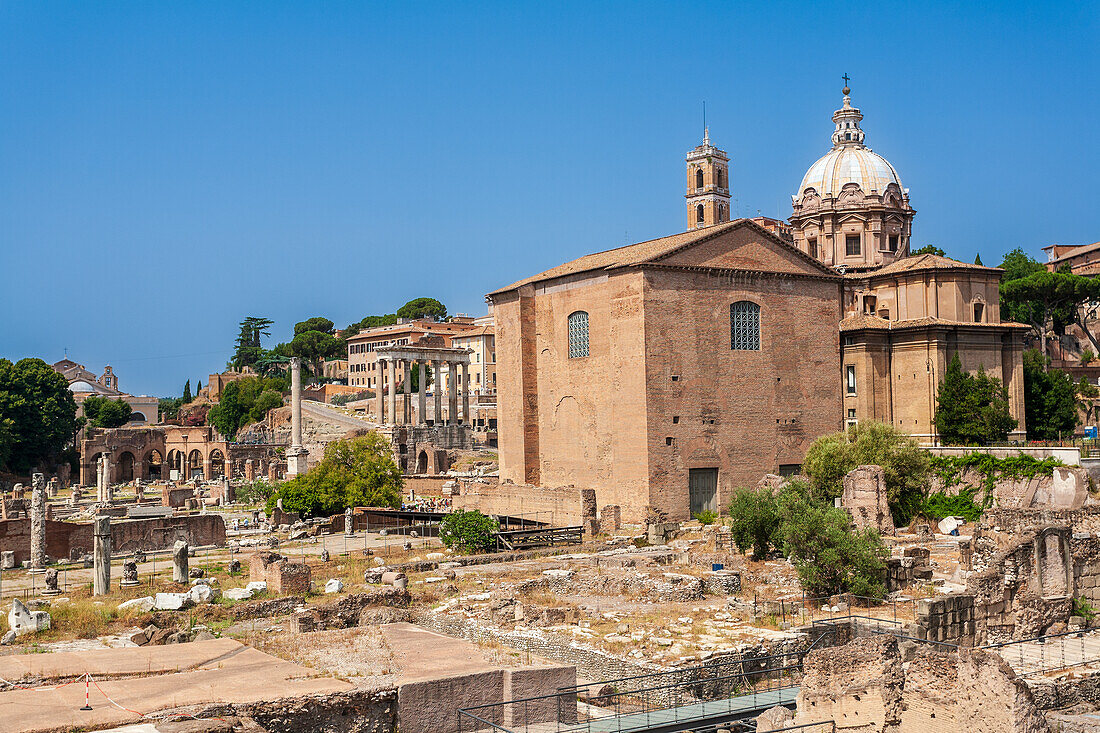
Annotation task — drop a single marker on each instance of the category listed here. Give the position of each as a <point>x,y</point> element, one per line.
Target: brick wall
<point>63,539</point>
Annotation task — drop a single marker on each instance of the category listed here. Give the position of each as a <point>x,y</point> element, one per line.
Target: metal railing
<point>724,689</point>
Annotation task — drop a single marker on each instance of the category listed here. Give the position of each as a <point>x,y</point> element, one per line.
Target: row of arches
<point>153,465</point>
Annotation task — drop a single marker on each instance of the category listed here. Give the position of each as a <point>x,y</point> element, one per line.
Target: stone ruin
<point>865,499</point>
<point>281,575</point>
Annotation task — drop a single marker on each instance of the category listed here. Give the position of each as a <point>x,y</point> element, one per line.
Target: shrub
<point>754,515</point>
<point>940,505</point>
<point>829,556</point>
<point>468,531</point>
<point>354,472</point>
<point>1087,357</point>
<point>255,492</point>
<point>707,516</point>
<point>905,465</point>
<point>1082,607</point>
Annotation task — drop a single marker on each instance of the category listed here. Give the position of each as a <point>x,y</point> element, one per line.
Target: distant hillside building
<point>83,384</point>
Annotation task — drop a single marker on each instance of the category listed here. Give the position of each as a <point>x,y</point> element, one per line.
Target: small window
<point>698,177</point>
<point>852,245</point>
<point>979,312</point>
<point>850,371</point>
<point>578,334</point>
<point>811,247</point>
<point>894,242</point>
<point>745,326</point>
<point>699,214</point>
<point>869,302</point>
<point>852,412</point>
<point>721,178</point>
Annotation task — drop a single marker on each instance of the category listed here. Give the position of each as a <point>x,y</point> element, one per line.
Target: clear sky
<point>169,168</point>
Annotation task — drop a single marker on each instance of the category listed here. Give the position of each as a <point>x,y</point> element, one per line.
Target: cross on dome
<point>847,119</point>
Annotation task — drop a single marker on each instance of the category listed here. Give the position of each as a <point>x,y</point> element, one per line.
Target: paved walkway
<point>220,670</point>
<point>1060,652</point>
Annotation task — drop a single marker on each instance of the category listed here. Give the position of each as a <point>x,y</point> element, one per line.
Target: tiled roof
<point>928,262</point>
<point>636,254</point>
<point>1076,251</point>
<point>874,323</point>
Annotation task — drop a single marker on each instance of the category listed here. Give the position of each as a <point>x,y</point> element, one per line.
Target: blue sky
<point>169,168</point>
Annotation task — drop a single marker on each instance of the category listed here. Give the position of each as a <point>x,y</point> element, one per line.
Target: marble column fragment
<point>179,562</point>
<point>38,522</point>
<point>101,556</point>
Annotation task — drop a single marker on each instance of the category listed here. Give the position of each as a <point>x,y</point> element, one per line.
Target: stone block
<point>172,601</point>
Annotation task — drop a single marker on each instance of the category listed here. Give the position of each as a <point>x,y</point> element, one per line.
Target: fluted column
<point>422,394</point>
<point>406,403</point>
<point>296,455</point>
<point>391,374</point>
<point>438,392</point>
<point>452,393</point>
<point>379,395</point>
<point>466,394</point>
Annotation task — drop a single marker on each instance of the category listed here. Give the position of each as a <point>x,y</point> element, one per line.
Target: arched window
<point>578,334</point>
<point>698,177</point>
<point>745,326</point>
<point>720,177</point>
<point>699,213</point>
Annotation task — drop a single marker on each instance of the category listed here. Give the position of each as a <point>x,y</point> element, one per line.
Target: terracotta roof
<point>636,254</point>
<point>479,331</point>
<point>928,262</point>
<point>1075,252</point>
<point>874,323</point>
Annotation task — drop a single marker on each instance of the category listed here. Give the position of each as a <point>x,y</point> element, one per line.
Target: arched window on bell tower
<point>708,199</point>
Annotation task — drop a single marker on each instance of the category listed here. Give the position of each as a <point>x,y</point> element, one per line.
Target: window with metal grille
<point>745,326</point>
<point>852,245</point>
<point>578,334</point>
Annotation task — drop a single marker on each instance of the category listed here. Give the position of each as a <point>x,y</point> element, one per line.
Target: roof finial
<point>846,90</point>
<point>706,130</point>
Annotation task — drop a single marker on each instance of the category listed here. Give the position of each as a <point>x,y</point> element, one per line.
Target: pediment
<point>746,247</point>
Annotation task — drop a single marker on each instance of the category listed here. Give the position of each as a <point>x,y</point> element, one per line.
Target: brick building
<point>667,373</point>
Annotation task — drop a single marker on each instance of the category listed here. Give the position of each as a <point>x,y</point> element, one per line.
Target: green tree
<point>829,556</point>
<point>101,412</point>
<point>468,531</point>
<point>1050,399</point>
<point>198,388</point>
<point>423,308</point>
<point>1054,298</point>
<point>313,347</point>
<point>187,392</point>
<point>1017,264</point>
<point>37,415</point>
<point>928,249</point>
<point>972,409</point>
<point>245,401</point>
<point>247,349</point>
<point>905,465</point>
<point>755,520</point>
<point>169,407</point>
<point>414,377</point>
<point>353,472</point>
<point>978,259</point>
<point>316,323</point>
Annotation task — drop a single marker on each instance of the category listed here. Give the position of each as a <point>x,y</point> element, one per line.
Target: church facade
<point>667,373</point>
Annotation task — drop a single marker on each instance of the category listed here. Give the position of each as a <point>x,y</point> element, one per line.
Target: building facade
<point>668,373</point>
<point>84,384</point>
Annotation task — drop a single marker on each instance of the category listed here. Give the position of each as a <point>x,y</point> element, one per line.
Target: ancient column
<point>349,529</point>
<point>130,573</point>
<point>296,455</point>
<point>422,395</point>
<point>452,393</point>
<point>51,583</point>
<point>437,416</point>
<point>179,562</point>
<point>100,478</point>
<point>38,523</point>
<point>101,556</point>
<point>379,395</point>
<point>466,394</point>
<point>392,375</point>
<point>406,407</point>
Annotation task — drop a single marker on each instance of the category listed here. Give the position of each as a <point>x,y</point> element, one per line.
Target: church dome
<point>850,164</point>
<point>850,161</point>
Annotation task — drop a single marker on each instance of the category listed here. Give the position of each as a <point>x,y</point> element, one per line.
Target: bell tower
<point>708,185</point>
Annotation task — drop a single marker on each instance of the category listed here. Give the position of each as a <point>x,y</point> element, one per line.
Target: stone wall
<point>562,506</point>
<point>66,540</point>
<point>356,711</point>
<point>864,686</point>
